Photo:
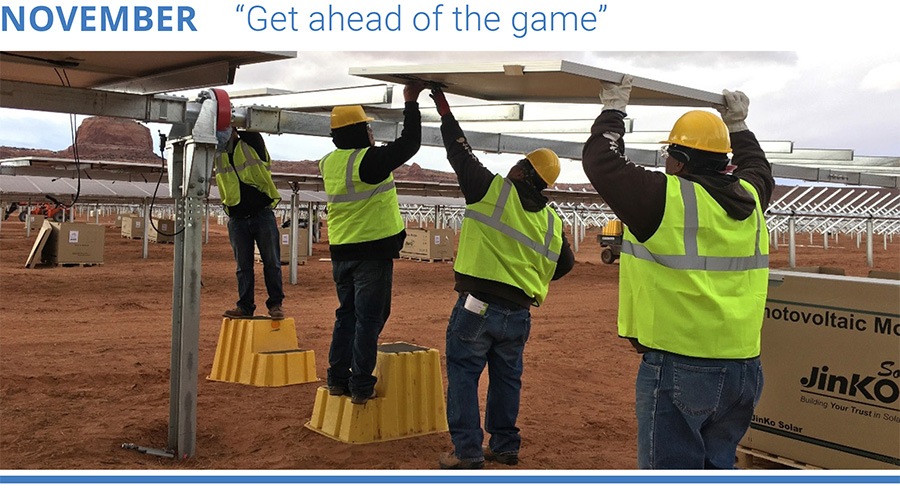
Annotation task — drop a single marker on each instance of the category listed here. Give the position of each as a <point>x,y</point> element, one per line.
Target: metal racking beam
<point>51,98</point>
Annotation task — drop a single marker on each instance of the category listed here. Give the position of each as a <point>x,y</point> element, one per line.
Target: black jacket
<point>474,182</point>
<point>377,165</point>
<point>250,199</point>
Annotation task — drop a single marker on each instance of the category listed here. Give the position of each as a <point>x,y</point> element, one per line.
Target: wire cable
<point>74,135</point>
<point>162,147</point>
<point>57,63</point>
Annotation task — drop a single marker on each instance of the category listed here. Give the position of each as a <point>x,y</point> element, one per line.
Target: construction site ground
<point>85,352</point>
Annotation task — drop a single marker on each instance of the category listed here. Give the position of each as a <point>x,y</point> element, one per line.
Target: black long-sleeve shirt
<point>474,182</point>
<point>250,199</point>
<point>377,165</point>
<point>638,195</point>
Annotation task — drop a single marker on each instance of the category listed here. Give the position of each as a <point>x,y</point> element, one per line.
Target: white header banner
<point>439,25</point>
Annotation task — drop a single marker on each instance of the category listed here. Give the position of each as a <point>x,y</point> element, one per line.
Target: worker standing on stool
<point>693,276</point>
<point>244,179</point>
<point>510,248</point>
<point>365,234</point>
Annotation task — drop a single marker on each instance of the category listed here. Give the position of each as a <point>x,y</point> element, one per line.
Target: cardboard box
<point>166,233</point>
<point>74,243</point>
<point>877,274</point>
<point>428,244</point>
<point>302,246</point>
<point>820,270</point>
<point>302,243</point>
<point>35,221</point>
<point>133,226</point>
<point>831,362</point>
<point>118,221</point>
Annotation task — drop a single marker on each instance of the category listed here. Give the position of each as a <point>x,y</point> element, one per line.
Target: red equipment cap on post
<point>223,116</point>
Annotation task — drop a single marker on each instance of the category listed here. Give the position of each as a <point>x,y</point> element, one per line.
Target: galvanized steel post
<point>792,243</point>
<point>175,156</point>
<point>575,229</point>
<point>870,259</point>
<point>197,158</point>
<point>27,212</point>
<point>145,239</point>
<point>311,226</point>
<point>295,235</point>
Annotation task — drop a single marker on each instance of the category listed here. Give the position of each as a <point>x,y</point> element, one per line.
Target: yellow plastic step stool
<point>409,400</point>
<point>261,352</point>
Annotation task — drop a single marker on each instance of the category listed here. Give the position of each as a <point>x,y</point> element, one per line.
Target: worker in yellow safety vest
<point>244,180</point>
<point>693,276</point>
<point>365,234</point>
<point>511,246</point>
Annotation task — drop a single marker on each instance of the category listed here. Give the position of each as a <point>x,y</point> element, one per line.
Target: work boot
<point>361,399</point>
<point>449,461</point>
<point>509,459</point>
<point>236,312</point>
<point>337,390</point>
<point>276,313</point>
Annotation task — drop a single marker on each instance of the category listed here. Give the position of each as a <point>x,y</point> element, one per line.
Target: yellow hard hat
<point>348,114</point>
<point>545,163</point>
<point>701,130</point>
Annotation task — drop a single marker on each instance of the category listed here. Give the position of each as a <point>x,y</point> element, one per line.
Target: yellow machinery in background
<point>610,239</point>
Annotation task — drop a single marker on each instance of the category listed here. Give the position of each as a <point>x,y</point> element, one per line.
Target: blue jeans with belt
<point>692,412</point>
<point>496,338</point>
<point>261,228</point>
<point>364,291</point>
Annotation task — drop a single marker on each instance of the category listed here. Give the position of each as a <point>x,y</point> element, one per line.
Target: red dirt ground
<point>84,362</point>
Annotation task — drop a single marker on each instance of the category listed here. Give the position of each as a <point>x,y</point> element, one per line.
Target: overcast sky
<point>816,99</point>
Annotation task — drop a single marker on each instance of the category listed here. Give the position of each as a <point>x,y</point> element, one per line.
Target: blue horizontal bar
<point>419,479</point>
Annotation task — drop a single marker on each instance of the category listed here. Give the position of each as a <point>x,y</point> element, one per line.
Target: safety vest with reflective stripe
<point>249,169</point>
<point>357,212</point>
<point>501,241</point>
<point>698,286</point>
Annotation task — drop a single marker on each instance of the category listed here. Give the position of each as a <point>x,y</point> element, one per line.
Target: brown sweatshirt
<point>638,195</point>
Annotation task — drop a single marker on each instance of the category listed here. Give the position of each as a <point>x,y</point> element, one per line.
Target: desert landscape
<point>85,352</point>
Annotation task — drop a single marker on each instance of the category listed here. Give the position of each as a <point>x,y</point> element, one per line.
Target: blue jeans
<point>497,339</point>
<point>364,291</point>
<point>692,412</point>
<point>243,232</point>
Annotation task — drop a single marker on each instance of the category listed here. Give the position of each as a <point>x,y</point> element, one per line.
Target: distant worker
<point>693,276</point>
<point>244,179</point>
<point>365,234</point>
<point>510,248</point>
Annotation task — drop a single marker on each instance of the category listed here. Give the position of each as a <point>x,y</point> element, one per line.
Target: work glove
<point>734,112</point>
<point>615,96</point>
<point>440,101</point>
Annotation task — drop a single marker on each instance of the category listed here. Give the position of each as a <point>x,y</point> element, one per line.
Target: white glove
<point>616,95</point>
<point>734,112</point>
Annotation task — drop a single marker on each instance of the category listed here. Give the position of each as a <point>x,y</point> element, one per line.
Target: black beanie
<point>352,136</point>
<point>699,159</point>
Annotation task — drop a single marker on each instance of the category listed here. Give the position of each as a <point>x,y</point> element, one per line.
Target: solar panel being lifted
<point>538,81</point>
